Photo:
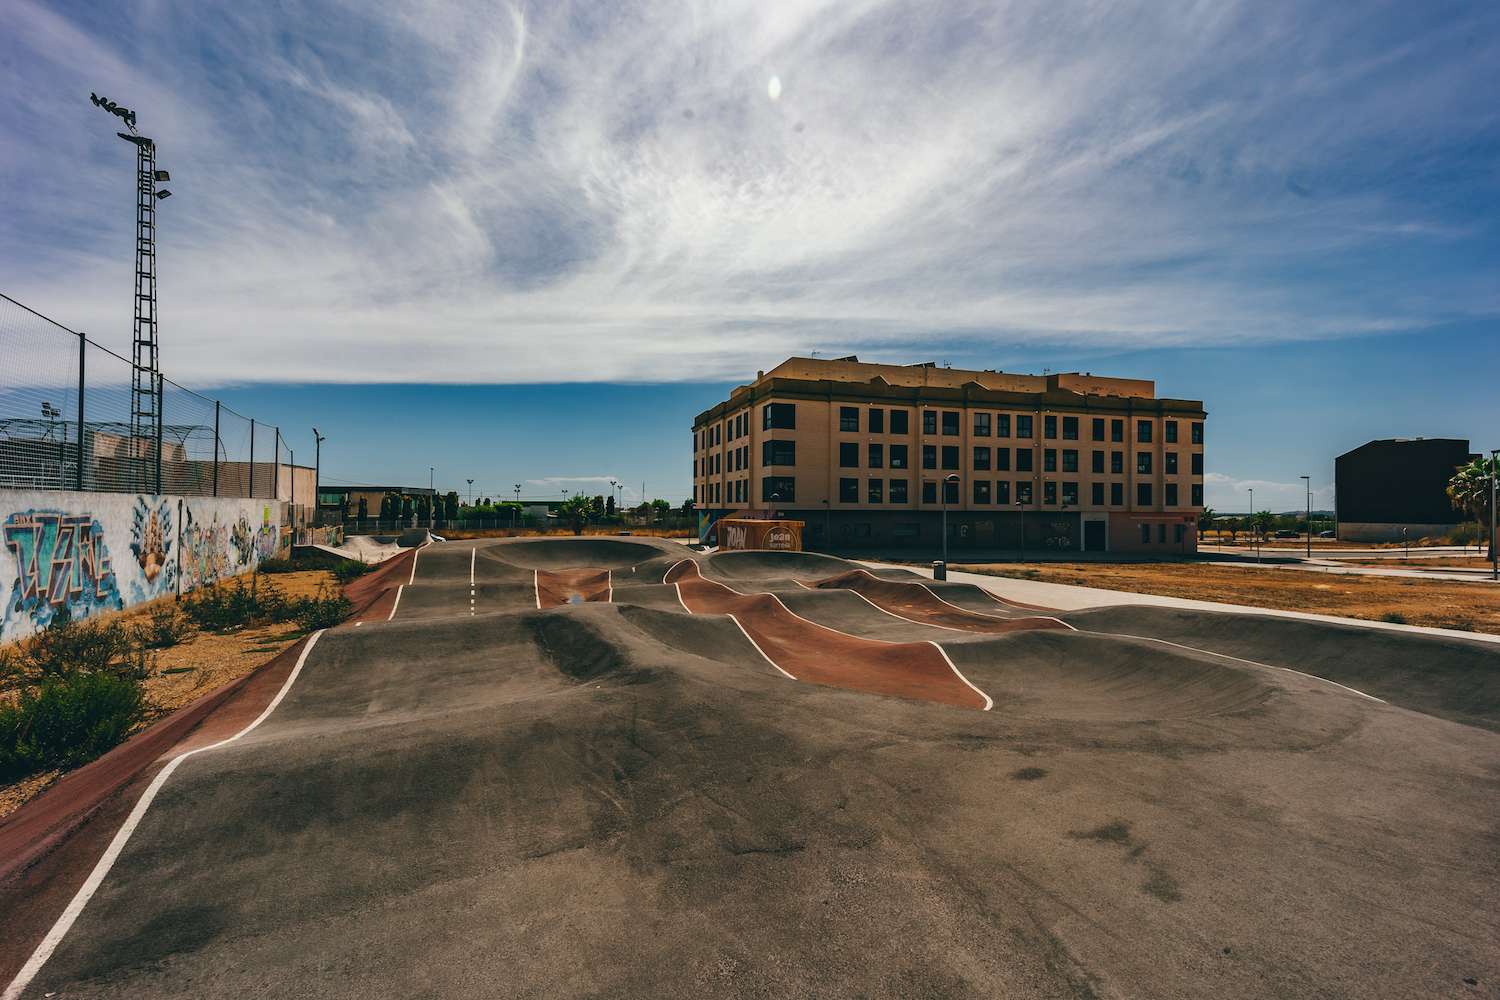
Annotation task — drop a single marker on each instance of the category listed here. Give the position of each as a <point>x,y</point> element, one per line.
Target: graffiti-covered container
<point>774,536</point>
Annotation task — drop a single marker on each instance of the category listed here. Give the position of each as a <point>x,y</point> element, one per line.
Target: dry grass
<point>1451,604</point>
<point>455,534</point>
<point>201,662</point>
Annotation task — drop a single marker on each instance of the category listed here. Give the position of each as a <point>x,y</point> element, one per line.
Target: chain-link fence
<point>65,424</point>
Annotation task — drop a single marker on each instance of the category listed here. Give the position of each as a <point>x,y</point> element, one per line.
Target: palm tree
<point>1262,521</point>
<point>575,511</point>
<point>1469,489</point>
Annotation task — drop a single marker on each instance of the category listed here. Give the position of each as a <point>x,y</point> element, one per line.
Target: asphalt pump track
<point>607,767</point>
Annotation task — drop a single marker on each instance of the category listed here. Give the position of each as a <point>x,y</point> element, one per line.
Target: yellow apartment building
<point>869,456</point>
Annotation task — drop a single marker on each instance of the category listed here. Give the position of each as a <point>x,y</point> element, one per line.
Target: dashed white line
<point>96,877</point>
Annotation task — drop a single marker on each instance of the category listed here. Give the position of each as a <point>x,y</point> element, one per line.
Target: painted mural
<point>96,552</point>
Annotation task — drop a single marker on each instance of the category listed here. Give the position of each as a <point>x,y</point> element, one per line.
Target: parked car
<point>1327,534</point>
<point>1287,533</point>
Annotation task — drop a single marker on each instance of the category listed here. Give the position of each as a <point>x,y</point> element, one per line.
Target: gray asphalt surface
<point>607,800</point>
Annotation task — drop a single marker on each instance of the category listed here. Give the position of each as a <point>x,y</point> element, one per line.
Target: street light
<point>1307,485</point>
<point>1252,524</point>
<point>944,484</point>
<point>318,440</point>
<point>1022,504</point>
<point>471,492</point>
<point>1494,553</point>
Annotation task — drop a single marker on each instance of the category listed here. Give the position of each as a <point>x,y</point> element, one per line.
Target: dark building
<point>1385,486</point>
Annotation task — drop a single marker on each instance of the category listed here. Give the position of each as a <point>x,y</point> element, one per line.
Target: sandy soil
<point>1470,607</point>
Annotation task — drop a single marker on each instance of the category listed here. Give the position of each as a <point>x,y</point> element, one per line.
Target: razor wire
<point>65,405</point>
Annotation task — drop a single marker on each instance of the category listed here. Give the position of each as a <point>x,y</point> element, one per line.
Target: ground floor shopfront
<point>1044,531</point>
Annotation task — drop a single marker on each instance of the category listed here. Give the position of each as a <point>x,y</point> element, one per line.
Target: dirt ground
<point>198,664</point>
<point>1469,607</point>
<point>453,534</point>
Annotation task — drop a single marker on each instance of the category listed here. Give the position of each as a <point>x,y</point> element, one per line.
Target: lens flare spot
<point>774,89</point>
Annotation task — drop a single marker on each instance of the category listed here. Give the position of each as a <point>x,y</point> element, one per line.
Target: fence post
<point>217,404</point>
<point>252,458</point>
<point>82,341</point>
<point>159,400</point>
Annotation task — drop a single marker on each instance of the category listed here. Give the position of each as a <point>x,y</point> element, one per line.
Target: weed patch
<point>68,720</point>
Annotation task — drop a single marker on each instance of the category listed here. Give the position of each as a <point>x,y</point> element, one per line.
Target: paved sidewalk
<point>1065,597</point>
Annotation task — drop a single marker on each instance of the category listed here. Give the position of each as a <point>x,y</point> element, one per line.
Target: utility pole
<point>145,391</point>
<point>318,440</point>
<point>1307,485</point>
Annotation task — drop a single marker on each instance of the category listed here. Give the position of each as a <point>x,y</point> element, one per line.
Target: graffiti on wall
<point>61,560</point>
<point>152,540</point>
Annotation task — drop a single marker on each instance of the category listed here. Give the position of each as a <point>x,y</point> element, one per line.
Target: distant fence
<point>65,424</point>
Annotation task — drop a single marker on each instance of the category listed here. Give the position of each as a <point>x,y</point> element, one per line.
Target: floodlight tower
<point>146,386</point>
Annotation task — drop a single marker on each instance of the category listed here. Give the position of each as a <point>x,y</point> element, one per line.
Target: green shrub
<point>162,631</point>
<point>235,606</point>
<point>1393,618</point>
<point>282,566</point>
<point>65,648</point>
<point>67,721</point>
<point>349,569</point>
<point>322,611</point>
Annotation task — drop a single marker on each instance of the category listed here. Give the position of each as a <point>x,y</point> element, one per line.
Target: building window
<point>1098,466</point>
<point>781,489</point>
<point>1098,497</point>
<point>898,422</point>
<point>1002,459</point>
<point>929,456</point>
<point>1143,431</point>
<point>1161,532</point>
<point>1023,492</point>
<point>876,490</point>
<point>877,456</point>
<point>1117,463</point>
<point>848,491</point>
<point>1143,463</point>
<point>1170,497</point>
<point>1049,492</point>
<point>1197,463</point>
<point>1002,425</point>
<point>695,442</point>
<point>1049,427</point>
<point>929,492</point>
<point>1098,428</point>
<point>1117,430</point>
<point>1002,492</point>
<point>1023,426</point>
<point>1143,494</point>
<point>848,455</point>
<point>1070,494</point>
<point>981,459</point>
<point>1049,459</point>
<point>1117,494</point>
<point>950,492</point>
<point>905,530</point>
<point>849,418</point>
<point>1146,534</point>
<point>1070,460</point>
<point>950,423</point>
<point>898,491</point>
<point>1179,533</point>
<point>982,491</point>
<point>1023,459</point>
<point>1197,490</point>
<point>1197,433</point>
<point>1171,463</point>
<point>982,425</point>
<point>1070,428</point>
<point>898,457</point>
<point>695,468</point>
<point>1169,432</point>
<point>778,453</point>
<point>779,416</point>
<point>950,456</point>
<point>877,421</point>
<point>929,421</point>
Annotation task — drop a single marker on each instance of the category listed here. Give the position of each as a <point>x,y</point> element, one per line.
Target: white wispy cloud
<point>501,192</point>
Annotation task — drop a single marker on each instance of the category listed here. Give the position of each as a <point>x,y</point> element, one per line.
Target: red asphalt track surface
<point>916,603</point>
<point>920,671</point>
<point>571,586</point>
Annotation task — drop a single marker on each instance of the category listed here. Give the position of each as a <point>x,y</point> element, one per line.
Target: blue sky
<point>494,212</point>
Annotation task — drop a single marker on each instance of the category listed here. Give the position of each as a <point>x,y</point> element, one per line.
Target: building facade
<point>869,456</point>
<point>1393,489</point>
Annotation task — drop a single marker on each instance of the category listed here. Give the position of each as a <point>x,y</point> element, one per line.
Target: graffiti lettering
<point>57,555</point>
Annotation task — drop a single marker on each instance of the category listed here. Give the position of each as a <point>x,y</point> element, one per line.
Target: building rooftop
<point>929,375</point>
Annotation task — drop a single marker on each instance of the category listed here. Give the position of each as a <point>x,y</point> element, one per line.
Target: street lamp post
<point>318,440</point>
<point>1307,486</point>
<point>471,492</point>
<point>1494,552</point>
<point>944,567</point>
<point>1022,504</point>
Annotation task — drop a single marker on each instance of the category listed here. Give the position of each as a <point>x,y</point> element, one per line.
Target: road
<point>623,792</point>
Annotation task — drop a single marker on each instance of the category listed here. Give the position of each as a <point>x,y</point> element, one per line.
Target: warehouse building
<point>869,455</point>
<point>1389,490</point>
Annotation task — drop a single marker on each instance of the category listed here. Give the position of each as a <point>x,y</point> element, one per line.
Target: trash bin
<point>939,570</point>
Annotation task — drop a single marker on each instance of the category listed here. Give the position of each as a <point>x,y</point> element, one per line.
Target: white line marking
<point>414,555</point>
<point>989,702</point>
<point>75,908</point>
<point>609,584</point>
<point>762,652</point>
<point>397,604</point>
<point>473,553</point>
<point>358,624</point>
<point>674,566</point>
<point>678,587</point>
<point>537,586</point>
<point>1240,659</point>
<point>950,628</point>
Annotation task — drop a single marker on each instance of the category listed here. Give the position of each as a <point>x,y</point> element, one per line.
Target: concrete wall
<point>98,552</point>
<point>1389,531</point>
